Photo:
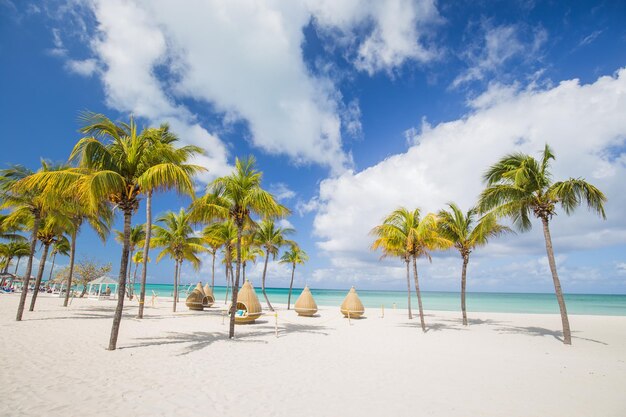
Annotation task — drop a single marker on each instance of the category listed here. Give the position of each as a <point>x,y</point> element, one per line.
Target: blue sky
<point>351,108</point>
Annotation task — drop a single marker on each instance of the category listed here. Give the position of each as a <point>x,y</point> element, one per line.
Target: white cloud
<point>285,224</point>
<point>281,191</point>
<point>86,67</point>
<point>59,49</point>
<point>590,38</point>
<point>499,45</point>
<point>583,123</point>
<point>305,207</point>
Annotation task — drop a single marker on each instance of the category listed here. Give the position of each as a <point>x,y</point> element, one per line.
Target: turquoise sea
<point>594,304</point>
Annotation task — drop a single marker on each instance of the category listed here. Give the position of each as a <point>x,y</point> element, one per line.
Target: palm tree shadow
<point>285,329</point>
<point>435,327</point>
<point>541,331</point>
<point>196,341</point>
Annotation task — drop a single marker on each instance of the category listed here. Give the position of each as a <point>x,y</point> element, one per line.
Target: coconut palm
<point>518,185</point>
<point>60,246</point>
<point>52,228</point>
<point>468,232</point>
<point>213,245</point>
<point>137,237</point>
<point>413,237</point>
<point>294,256</point>
<point>28,204</point>
<point>236,197</point>
<point>19,250</point>
<point>137,259</point>
<point>249,253</point>
<point>8,229</point>
<point>177,239</point>
<point>223,234</point>
<point>271,238</point>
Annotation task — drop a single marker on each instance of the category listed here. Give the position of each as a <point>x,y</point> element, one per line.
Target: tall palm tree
<point>236,197</point>
<point>249,253</point>
<point>53,226</point>
<point>137,237</point>
<point>137,259</point>
<point>519,184</point>
<point>294,256</point>
<point>60,246</point>
<point>12,249</point>
<point>213,245</point>
<point>177,239</point>
<point>20,250</point>
<point>223,234</point>
<point>271,238</point>
<point>467,232</point>
<point>28,203</point>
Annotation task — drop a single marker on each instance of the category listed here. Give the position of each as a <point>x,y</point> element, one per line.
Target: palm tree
<point>28,203</point>
<point>271,238</point>
<point>249,253</point>
<point>53,226</point>
<point>137,259</point>
<point>412,237</point>
<point>137,236</point>
<point>236,197</point>
<point>20,250</point>
<point>224,235</point>
<point>60,246</point>
<point>294,256</point>
<point>214,244</point>
<point>177,239</point>
<point>519,184</point>
<point>467,233</point>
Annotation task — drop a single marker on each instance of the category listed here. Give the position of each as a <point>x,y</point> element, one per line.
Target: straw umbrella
<point>208,292</point>
<point>305,304</point>
<point>248,304</point>
<point>352,305</point>
<point>196,299</point>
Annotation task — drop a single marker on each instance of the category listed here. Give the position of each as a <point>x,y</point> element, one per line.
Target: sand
<point>181,364</point>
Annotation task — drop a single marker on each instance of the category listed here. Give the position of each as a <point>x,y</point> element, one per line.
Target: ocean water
<point>593,304</point>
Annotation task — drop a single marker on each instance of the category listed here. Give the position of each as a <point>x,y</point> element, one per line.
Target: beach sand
<point>182,364</point>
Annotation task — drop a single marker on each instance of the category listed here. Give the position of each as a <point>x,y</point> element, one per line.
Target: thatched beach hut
<point>196,299</point>
<point>352,305</point>
<point>210,299</point>
<point>305,304</point>
<point>248,305</point>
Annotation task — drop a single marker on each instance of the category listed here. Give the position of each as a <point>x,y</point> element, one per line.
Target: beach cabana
<point>210,299</point>
<point>352,305</point>
<point>196,299</point>
<point>103,281</point>
<point>305,304</point>
<point>248,305</point>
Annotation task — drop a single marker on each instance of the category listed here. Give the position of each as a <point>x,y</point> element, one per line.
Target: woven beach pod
<point>248,305</point>
<point>351,304</point>
<point>210,299</point>
<point>196,299</point>
<point>305,304</point>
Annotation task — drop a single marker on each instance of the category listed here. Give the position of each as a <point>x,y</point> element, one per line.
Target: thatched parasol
<point>196,300</point>
<point>305,304</point>
<point>248,306</point>
<point>208,292</point>
<point>351,304</point>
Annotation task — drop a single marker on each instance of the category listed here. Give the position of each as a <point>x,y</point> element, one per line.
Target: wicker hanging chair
<point>352,304</point>
<point>305,304</point>
<point>196,300</point>
<point>248,305</point>
<point>210,299</point>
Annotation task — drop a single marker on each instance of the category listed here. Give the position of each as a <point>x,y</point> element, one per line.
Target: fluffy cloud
<point>245,61</point>
<point>583,123</point>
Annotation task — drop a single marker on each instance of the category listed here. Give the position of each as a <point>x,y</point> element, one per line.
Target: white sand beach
<point>55,364</point>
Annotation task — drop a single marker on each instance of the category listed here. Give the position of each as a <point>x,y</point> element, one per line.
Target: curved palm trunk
<point>42,266</point>
<point>175,287</point>
<point>29,266</point>
<point>146,247</point>
<point>19,258</point>
<point>419,295</point>
<point>71,274</point>
<point>293,271</point>
<point>129,270</point>
<point>567,336</point>
<point>233,306</point>
<point>243,271</point>
<point>227,282</point>
<point>54,257</point>
<point>213,274</point>
<point>121,290</point>
<point>463,283</point>
<point>267,300</point>
<point>408,289</point>
<point>135,277</point>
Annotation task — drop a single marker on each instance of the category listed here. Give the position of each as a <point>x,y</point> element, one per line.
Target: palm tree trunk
<point>129,269</point>
<point>243,271</point>
<point>146,247</point>
<point>135,276</point>
<point>19,258</point>
<point>293,271</point>
<point>419,295</point>
<point>227,282</point>
<point>71,273</point>
<point>42,266</point>
<point>267,256</point>
<point>567,336</point>
<point>175,286</point>
<point>29,266</point>
<point>408,289</point>
<point>463,283</point>
<point>121,290</point>
<point>213,275</point>
<point>54,257</point>
<point>233,306</point>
